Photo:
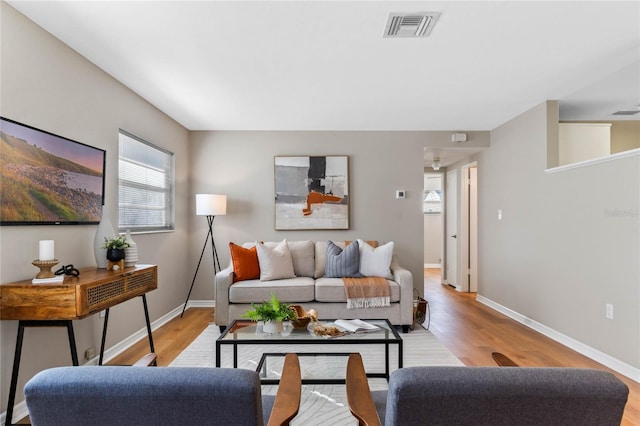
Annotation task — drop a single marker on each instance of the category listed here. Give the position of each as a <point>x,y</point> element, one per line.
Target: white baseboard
<point>432,265</point>
<point>596,355</point>
<point>20,409</point>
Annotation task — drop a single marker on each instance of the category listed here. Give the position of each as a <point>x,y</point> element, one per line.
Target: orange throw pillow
<point>245,263</point>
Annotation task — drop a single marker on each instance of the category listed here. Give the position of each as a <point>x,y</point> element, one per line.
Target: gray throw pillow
<point>342,263</point>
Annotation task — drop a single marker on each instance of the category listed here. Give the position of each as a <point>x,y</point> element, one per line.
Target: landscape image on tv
<point>48,179</point>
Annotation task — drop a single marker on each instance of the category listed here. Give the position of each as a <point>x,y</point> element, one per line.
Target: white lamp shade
<point>211,205</point>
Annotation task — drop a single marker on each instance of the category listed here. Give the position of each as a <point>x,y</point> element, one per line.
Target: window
<point>145,186</point>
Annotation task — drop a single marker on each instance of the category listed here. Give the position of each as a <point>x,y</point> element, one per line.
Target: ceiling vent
<point>410,25</point>
<point>626,112</point>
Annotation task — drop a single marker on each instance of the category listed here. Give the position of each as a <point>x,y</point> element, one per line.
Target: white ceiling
<point>324,65</point>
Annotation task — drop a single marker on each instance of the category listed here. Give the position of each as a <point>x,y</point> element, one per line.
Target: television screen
<point>47,179</point>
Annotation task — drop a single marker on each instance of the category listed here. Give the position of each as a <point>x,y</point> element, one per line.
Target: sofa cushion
<point>342,263</point>
<point>245,263</point>
<point>300,289</point>
<point>303,257</point>
<point>376,262</point>
<point>321,256</point>
<point>275,262</point>
<point>332,290</point>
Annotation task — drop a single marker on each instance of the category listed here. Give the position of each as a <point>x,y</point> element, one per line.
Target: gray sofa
<point>493,396</point>
<point>310,289</point>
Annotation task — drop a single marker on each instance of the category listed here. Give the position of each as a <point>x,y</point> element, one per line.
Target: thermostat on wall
<point>401,193</point>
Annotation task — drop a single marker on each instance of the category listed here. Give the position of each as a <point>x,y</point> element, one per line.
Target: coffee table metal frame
<point>236,335</point>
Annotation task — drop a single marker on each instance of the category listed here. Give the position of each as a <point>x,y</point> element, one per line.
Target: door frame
<point>468,241</point>
<point>451,207</point>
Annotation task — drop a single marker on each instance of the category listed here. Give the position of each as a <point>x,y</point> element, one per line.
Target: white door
<point>451,228</point>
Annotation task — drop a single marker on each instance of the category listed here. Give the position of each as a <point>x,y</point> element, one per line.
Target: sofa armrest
<point>289,393</point>
<point>222,282</point>
<point>359,397</point>
<point>404,278</point>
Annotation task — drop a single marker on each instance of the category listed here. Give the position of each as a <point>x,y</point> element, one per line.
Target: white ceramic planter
<point>272,327</point>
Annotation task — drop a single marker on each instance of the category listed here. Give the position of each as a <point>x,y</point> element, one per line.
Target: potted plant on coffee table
<point>271,313</point>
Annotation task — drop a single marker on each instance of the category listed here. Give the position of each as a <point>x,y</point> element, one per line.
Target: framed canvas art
<point>312,192</point>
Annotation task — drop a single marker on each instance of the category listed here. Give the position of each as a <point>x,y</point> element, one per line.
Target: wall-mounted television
<point>46,179</point>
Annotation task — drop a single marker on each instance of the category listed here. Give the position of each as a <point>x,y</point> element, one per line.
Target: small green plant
<point>272,310</point>
<point>117,243</point>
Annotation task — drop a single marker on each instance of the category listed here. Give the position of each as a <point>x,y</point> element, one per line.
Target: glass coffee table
<point>313,350</point>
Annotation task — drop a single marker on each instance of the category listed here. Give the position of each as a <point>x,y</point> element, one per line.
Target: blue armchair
<point>487,396</point>
<point>160,396</point>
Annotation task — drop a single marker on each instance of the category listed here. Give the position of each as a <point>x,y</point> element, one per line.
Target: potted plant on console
<point>271,313</point>
<point>115,247</point>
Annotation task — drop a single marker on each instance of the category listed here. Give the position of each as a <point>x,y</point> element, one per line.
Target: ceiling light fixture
<point>436,163</point>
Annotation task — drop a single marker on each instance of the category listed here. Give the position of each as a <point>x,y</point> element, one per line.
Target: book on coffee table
<point>356,326</point>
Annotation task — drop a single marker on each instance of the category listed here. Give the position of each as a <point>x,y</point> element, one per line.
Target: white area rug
<point>322,404</point>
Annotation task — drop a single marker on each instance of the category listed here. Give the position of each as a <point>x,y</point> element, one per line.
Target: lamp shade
<point>211,205</point>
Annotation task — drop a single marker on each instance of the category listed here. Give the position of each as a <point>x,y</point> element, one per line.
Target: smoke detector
<point>410,24</point>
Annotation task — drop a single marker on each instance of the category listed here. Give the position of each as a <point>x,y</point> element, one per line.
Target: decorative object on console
<point>46,250</point>
<point>115,247</point>
<point>312,192</point>
<point>209,205</point>
<point>46,260</point>
<point>115,252</point>
<point>45,268</point>
<point>104,231</point>
<point>131,252</point>
<point>68,270</point>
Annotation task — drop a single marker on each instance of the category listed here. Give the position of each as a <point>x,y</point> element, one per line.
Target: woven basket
<point>302,320</point>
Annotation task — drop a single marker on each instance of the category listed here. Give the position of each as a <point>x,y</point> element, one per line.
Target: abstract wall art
<point>312,192</point>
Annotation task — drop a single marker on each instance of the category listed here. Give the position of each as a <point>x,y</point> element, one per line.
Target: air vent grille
<point>626,112</point>
<point>410,25</point>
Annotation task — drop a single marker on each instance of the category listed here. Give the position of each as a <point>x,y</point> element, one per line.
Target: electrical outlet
<point>609,311</point>
<point>90,353</point>
<point>101,314</point>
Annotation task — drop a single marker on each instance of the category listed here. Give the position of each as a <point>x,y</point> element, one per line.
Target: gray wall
<point>240,165</point>
<point>47,85</point>
<point>569,241</point>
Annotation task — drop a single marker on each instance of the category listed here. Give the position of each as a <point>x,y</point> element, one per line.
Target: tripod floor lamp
<point>209,205</point>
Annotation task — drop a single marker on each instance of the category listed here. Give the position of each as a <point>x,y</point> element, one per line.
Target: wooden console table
<point>56,305</point>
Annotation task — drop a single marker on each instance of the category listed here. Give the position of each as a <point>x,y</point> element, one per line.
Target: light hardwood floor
<point>472,331</point>
<point>467,328</point>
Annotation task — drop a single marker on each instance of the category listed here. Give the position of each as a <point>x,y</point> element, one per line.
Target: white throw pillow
<point>375,262</point>
<point>275,262</point>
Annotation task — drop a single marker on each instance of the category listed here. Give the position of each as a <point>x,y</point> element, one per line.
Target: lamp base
<point>45,268</point>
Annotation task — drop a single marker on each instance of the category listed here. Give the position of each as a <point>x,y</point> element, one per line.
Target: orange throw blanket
<point>367,292</point>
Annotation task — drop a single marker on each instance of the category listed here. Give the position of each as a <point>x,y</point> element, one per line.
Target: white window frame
<point>152,180</point>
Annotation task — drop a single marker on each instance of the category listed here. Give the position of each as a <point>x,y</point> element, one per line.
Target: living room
<point>555,259</point>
